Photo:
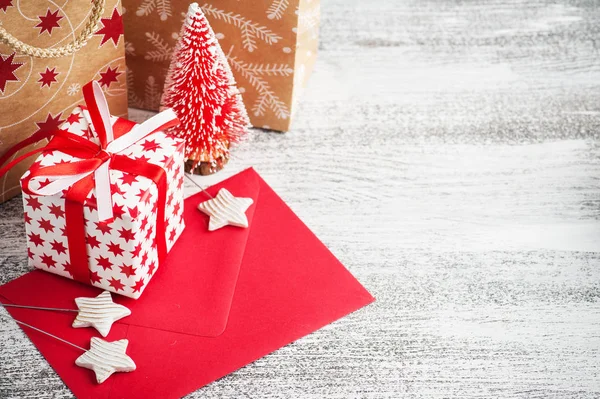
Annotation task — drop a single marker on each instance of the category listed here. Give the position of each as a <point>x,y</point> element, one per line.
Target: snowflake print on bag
<point>162,50</point>
<point>162,7</point>
<point>255,74</point>
<point>74,89</point>
<point>277,9</point>
<point>250,31</point>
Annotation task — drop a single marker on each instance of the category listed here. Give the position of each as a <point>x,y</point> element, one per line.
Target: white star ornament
<point>226,209</point>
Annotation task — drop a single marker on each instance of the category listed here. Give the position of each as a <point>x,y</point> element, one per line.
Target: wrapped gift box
<point>122,253</point>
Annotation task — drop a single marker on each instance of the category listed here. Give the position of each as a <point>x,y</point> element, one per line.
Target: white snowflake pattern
<point>129,48</point>
<point>74,89</point>
<point>162,7</point>
<point>255,73</point>
<point>162,51</point>
<point>251,31</point>
<point>277,9</point>
<point>152,93</point>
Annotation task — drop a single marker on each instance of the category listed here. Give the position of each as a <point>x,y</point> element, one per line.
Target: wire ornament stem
<point>44,332</point>
<point>199,186</point>
<point>7,305</point>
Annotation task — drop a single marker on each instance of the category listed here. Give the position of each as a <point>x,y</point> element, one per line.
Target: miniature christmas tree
<point>200,88</point>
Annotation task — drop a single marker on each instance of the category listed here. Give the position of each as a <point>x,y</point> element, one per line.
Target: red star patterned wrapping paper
<point>38,94</point>
<point>122,252</point>
<point>271,46</point>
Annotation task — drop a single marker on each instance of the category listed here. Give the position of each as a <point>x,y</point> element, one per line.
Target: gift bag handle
<point>80,41</point>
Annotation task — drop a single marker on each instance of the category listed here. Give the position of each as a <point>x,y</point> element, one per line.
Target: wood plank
<point>448,153</point>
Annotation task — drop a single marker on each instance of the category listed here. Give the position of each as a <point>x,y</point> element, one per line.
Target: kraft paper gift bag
<point>271,46</point>
<point>48,51</point>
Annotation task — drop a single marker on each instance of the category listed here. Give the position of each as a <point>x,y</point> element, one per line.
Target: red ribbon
<point>91,157</point>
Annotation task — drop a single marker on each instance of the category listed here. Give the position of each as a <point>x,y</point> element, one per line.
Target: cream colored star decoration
<point>99,312</point>
<point>106,358</point>
<point>226,209</point>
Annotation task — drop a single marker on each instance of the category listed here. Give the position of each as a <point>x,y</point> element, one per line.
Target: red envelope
<point>220,301</point>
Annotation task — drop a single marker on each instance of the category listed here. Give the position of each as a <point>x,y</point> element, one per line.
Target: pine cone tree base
<point>205,168</point>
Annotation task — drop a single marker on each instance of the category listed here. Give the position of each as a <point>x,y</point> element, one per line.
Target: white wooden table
<point>448,153</point>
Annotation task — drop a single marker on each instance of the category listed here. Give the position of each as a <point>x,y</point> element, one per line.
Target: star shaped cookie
<point>106,358</point>
<point>99,312</point>
<point>226,209</point>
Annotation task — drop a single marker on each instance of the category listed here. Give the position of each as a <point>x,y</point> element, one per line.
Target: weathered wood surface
<point>448,153</point>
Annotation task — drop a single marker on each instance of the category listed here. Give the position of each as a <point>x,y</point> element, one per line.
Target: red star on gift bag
<point>4,4</point>
<point>51,123</point>
<point>113,28</point>
<point>108,77</point>
<point>49,21</point>
<point>48,77</point>
<point>7,70</point>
